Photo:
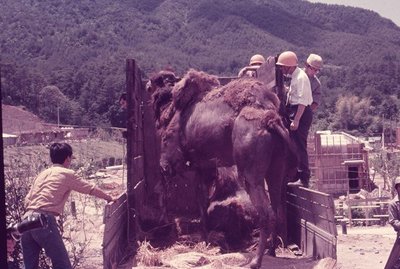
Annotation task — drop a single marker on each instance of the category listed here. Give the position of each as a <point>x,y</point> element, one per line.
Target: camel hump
<point>247,91</point>
<point>192,87</point>
<point>266,73</point>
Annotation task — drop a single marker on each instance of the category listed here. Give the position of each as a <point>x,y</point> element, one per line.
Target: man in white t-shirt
<point>299,99</point>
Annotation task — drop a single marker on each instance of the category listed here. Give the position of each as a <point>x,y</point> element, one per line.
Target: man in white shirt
<point>299,99</point>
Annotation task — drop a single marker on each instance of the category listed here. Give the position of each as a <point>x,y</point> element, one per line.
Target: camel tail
<point>274,123</point>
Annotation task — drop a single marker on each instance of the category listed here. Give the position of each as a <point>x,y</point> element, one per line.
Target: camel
<point>204,126</point>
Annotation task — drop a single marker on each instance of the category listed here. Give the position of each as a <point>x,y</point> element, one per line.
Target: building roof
<point>17,120</point>
<point>350,162</point>
<point>336,139</point>
<point>329,139</point>
<point>9,135</point>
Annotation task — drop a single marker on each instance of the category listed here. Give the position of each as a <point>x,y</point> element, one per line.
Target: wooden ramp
<point>311,222</point>
<point>117,252</point>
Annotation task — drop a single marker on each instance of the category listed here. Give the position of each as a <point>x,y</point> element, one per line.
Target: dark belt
<point>294,106</point>
<point>42,212</point>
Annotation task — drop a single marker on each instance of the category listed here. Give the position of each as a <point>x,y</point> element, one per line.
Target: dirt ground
<point>361,248</point>
<point>365,247</point>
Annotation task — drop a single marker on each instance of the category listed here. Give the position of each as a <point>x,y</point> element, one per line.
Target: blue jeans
<point>50,240</point>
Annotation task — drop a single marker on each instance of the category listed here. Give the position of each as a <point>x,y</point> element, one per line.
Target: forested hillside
<point>71,55</point>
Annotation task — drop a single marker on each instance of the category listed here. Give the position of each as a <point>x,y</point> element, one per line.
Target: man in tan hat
<point>314,64</point>
<point>251,70</point>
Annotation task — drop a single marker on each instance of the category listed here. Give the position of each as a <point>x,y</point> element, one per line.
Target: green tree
<point>20,86</point>
<point>390,107</point>
<point>387,164</point>
<point>354,115</point>
<point>54,106</point>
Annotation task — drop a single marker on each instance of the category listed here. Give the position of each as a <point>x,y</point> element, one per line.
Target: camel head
<point>172,159</point>
<point>161,80</point>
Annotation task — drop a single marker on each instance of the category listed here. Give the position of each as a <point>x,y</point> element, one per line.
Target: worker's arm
<point>101,194</point>
<point>294,125</point>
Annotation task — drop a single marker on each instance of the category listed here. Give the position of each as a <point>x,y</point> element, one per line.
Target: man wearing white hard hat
<point>314,64</point>
<point>299,100</point>
<point>251,70</point>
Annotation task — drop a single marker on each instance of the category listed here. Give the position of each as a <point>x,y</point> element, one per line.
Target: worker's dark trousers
<point>300,138</point>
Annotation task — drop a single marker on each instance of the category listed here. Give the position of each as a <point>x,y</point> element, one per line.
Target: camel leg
<point>204,178</point>
<point>277,189</point>
<point>253,155</point>
<point>160,189</point>
<point>202,204</point>
<point>261,202</point>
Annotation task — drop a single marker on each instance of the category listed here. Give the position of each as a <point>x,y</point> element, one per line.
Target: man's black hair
<point>122,97</point>
<point>59,152</point>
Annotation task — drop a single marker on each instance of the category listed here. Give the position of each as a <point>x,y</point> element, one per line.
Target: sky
<point>386,8</point>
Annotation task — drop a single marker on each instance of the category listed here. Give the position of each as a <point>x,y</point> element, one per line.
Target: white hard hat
<point>315,61</point>
<point>287,58</point>
<point>257,59</point>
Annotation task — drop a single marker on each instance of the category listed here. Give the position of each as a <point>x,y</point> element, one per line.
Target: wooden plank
<point>365,206</point>
<point>115,214</point>
<point>134,130</point>
<point>143,154</point>
<point>323,224</point>
<point>375,200</point>
<point>115,232</point>
<point>151,147</point>
<point>366,219</point>
<point>312,221</point>
<point>319,214</point>
<point>138,165</point>
<point>321,210</point>
<point>134,146</point>
<point>313,212</point>
<point>317,196</point>
<point>301,211</point>
<point>317,242</point>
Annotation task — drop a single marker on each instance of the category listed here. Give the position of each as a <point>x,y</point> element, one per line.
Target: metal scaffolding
<point>338,163</point>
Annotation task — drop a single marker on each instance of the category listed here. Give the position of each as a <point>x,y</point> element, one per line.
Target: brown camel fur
<point>238,124</point>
